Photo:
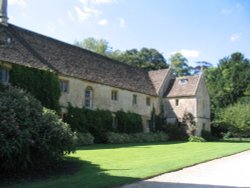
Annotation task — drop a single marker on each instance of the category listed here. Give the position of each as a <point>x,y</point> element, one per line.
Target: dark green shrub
<point>196,139</point>
<point>84,139</point>
<point>123,138</point>
<point>42,84</point>
<point>208,136</point>
<point>118,138</point>
<point>176,131</point>
<point>30,137</point>
<point>128,122</point>
<point>95,122</point>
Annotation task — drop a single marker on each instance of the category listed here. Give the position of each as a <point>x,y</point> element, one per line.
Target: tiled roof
<point>20,46</point>
<point>183,86</point>
<point>157,77</point>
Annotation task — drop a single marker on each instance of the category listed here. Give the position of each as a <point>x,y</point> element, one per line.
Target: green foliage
<point>176,131</point>
<point>42,84</point>
<point>95,122</point>
<point>228,82</point>
<point>208,136</point>
<point>30,136</point>
<point>179,64</point>
<point>237,118</point>
<point>146,58</point>
<point>196,139</point>
<point>100,46</point>
<point>122,138</point>
<point>128,122</point>
<point>84,139</point>
<point>188,121</point>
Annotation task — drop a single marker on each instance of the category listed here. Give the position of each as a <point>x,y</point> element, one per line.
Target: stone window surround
<point>64,85</point>
<point>114,95</point>
<point>88,97</point>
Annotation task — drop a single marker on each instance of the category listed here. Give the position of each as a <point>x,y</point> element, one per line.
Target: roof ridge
<point>77,47</point>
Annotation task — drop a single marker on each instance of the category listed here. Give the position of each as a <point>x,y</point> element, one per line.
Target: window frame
<point>88,99</point>
<point>5,75</point>
<point>177,102</point>
<point>64,83</point>
<point>114,95</point>
<point>134,99</point>
<point>148,101</point>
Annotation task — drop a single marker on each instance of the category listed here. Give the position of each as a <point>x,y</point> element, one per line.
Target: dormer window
<point>183,81</point>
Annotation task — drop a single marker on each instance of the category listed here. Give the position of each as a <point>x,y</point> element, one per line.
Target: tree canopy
<point>146,58</point>
<point>179,64</point>
<point>100,46</point>
<point>229,81</point>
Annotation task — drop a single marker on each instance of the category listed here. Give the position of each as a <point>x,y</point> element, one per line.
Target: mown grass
<point>114,165</point>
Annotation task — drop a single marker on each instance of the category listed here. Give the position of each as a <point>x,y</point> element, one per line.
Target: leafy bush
<point>118,138</point>
<point>30,136</point>
<point>175,131</point>
<point>122,138</point>
<point>84,139</point>
<point>237,118</point>
<point>196,139</point>
<point>208,136</point>
<point>95,122</point>
<point>128,122</point>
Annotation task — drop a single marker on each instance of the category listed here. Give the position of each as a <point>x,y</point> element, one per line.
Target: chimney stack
<point>3,12</point>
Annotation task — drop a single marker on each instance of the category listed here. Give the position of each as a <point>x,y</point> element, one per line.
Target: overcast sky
<point>203,30</point>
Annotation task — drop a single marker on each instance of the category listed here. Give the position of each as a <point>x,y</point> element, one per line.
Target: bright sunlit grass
<point>112,165</point>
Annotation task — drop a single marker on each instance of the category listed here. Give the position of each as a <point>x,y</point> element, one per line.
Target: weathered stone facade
<point>97,82</point>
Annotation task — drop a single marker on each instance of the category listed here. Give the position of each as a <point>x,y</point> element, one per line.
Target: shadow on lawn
<point>73,174</point>
<point>115,146</point>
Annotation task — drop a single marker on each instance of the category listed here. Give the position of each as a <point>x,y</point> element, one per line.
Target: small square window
<point>64,86</point>
<point>114,95</point>
<point>134,102</point>
<point>148,102</point>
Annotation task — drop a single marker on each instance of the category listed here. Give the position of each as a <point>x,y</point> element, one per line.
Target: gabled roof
<point>183,86</point>
<point>157,77</point>
<point>23,47</point>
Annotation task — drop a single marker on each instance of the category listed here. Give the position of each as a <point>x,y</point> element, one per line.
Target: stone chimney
<point>3,12</point>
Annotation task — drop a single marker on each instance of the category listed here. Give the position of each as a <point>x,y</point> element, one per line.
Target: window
<point>148,101</point>
<point>176,102</point>
<point>88,97</point>
<point>183,81</point>
<point>4,75</point>
<point>114,95</point>
<point>64,86</point>
<point>134,102</point>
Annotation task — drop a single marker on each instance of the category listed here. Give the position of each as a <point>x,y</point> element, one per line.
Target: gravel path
<point>227,172</point>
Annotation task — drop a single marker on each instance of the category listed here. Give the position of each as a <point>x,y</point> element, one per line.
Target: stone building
<point>97,82</point>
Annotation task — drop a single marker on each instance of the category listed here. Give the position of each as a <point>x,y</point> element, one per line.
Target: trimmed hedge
<point>123,138</point>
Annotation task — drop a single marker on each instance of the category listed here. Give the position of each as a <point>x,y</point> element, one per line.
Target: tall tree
<point>100,46</point>
<point>179,64</point>
<point>146,58</point>
<point>228,82</point>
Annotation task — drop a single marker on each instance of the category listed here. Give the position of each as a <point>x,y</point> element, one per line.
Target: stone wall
<point>102,98</point>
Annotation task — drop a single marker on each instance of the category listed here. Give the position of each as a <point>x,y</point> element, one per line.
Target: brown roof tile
<point>183,86</point>
<point>32,49</point>
<point>157,77</point>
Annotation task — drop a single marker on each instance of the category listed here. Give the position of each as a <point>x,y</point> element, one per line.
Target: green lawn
<point>112,165</point>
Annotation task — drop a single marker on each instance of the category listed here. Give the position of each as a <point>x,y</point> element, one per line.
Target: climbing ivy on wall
<point>42,84</point>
